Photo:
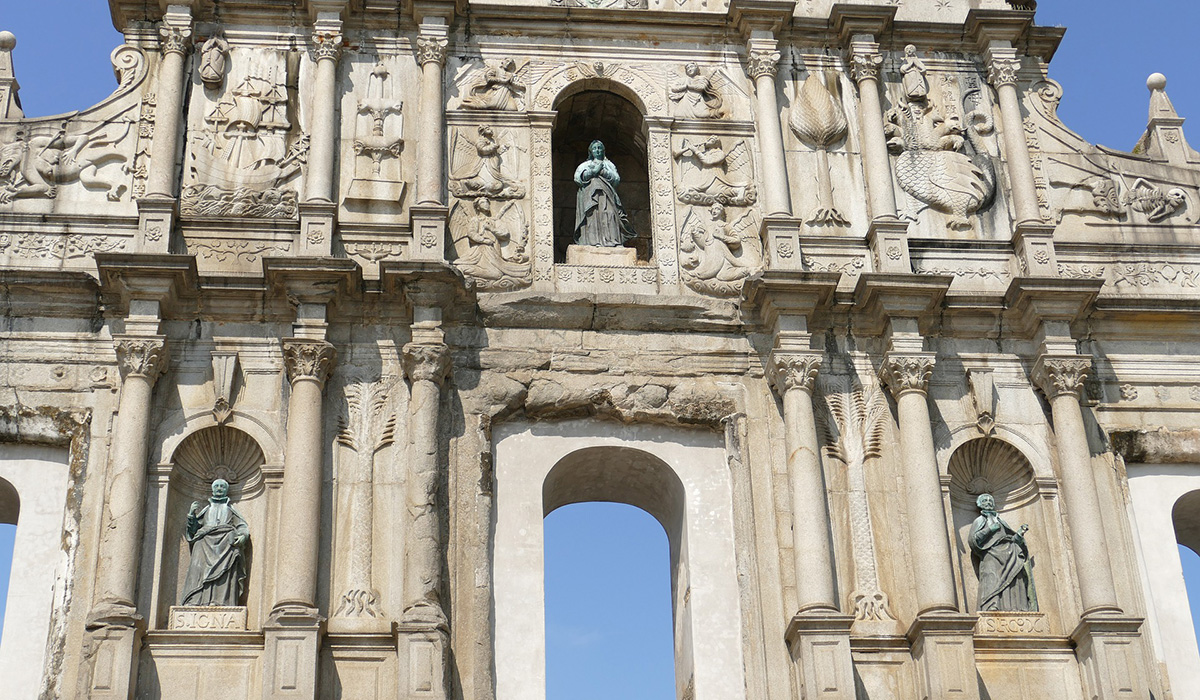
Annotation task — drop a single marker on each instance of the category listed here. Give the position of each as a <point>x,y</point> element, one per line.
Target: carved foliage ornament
<point>174,39</point>
<point>793,371</point>
<point>431,49</point>
<point>142,357</point>
<point>905,373</point>
<point>762,63</point>
<point>864,65</point>
<point>327,45</point>
<point>308,359</point>
<point>1003,71</point>
<point>426,362</point>
<point>1056,376</point>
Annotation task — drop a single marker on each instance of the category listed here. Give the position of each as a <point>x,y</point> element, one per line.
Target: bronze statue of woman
<point>600,220</point>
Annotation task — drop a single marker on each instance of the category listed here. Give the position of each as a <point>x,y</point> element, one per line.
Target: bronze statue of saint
<point>1005,572</point>
<point>600,220</point>
<point>216,535</point>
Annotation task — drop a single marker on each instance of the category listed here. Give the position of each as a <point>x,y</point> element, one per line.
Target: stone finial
<point>308,359</point>
<point>10,103</point>
<point>1059,375</point>
<point>794,371</point>
<point>425,362</point>
<point>142,356</point>
<point>1164,139</point>
<point>907,372</point>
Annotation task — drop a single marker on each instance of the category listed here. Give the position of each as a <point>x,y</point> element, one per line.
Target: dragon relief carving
<point>36,166</point>
<point>933,162</point>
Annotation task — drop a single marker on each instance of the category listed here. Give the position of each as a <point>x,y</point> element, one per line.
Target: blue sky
<point>607,579</point>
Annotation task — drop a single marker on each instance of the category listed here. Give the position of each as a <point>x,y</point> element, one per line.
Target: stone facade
<point>319,250</point>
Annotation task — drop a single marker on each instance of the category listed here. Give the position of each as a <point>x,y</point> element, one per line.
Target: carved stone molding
<point>1003,71</point>
<point>909,372</point>
<point>142,356</point>
<point>864,64</point>
<point>762,62</point>
<point>1062,374</point>
<point>308,359</point>
<point>431,49</point>
<point>174,39</point>
<point>327,45</point>
<point>794,371</point>
<point>426,362</point>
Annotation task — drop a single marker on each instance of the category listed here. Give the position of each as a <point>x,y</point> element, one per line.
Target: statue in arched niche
<point>1005,572</point>
<point>216,535</point>
<point>600,219</point>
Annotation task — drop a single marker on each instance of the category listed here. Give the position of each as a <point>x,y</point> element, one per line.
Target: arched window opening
<point>1186,518</point>
<point>608,604</point>
<point>10,509</point>
<point>601,115</point>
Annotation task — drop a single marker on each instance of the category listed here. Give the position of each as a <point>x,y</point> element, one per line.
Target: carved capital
<point>909,372</point>
<point>142,356</point>
<point>172,39</point>
<point>1003,71</point>
<point>426,362</point>
<point>794,371</point>
<point>762,62</point>
<point>308,359</point>
<point>1060,375</point>
<point>431,49</point>
<point>864,64</point>
<point>327,45</point>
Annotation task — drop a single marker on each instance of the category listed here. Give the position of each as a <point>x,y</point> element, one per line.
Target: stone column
<point>318,211</point>
<point>762,65</point>
<point>426,366</point>
<point>291,636</point>
<point>818,634</point>
<point>865,60</point>
<point>1061,379</point>
<point>1002,74</point>
<point>431,54</point>
<point>115,621</point>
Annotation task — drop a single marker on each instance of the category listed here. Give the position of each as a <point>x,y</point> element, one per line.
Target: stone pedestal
<point>820,648</point>
<point>422,651</point>
<point>207,618</point>
<point>291,642</point>
<point>782,235</point>
<point>429,231</point>
<point>1109,649</point>
<point>111,652</point>
<point>597,255</point>
<point>944,648</point>
<point>1034,243</point>
<point>316,229</point>
<point>888,238</point>
<point>156,220</point>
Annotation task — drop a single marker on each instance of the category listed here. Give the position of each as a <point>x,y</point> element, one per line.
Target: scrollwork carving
<point>905,373</point>
<point>308,359</point>
<point>142,356</point>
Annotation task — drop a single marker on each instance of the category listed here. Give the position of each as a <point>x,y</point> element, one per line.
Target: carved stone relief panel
<point>245,150</point>
<point>541,172</point>
<point>377,143</point>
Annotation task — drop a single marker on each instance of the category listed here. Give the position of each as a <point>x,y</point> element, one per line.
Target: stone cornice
<point>141,356</point>
<point>304,358</point>
<point>1057,375</point>
<point>1033,300</point>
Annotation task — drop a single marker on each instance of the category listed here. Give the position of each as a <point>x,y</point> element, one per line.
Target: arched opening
<point>608,604</point>
<point>1185,516</point>
<point>10,510</point>
<point>600,112</point>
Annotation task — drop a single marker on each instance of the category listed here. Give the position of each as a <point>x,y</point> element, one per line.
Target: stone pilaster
<point>762,65</point>
<point>292,634</point>
<point>818,635</point>
<point>158,209</point>
<point>116,626</point>
<point>318,213</point>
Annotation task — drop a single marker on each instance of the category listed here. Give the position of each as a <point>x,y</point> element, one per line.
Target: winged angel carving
<point>708,173</point>
<point>482,166</point>
<point>490,244</point>
<point>716,256</point>
<point>499,85</point>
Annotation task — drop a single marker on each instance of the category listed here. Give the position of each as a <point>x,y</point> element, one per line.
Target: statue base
<point>599,255</point>
<point>1012,623</point>
<point>207,618</point>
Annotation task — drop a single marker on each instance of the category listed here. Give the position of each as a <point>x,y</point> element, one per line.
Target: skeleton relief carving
<point>695,94</point>
<point>715,256</point>
<point>819,121</point>
<point>1113,196</point>
<point>709,173</point>
<point>933,162</point>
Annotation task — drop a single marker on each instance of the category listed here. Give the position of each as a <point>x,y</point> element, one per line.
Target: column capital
<point>1057,375</point>
<point>865,61</point>
<point>426,362</point>
<point>1002,67</point>
<point>790,370</point>
<point>174,39</point>
<point>905,372</point>
<point>142,356</point>
<point>305,358</point>
<point>327,45</point>
<point>762,58</point>
<point>431,49</point>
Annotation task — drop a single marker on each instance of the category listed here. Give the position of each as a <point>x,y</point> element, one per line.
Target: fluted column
<point>762,65</point>
<point>425,364</point>
<point>431,54</point>
<point>1002,66</point>
<point>865,60</point>
<point>794,376</point>
<point>141,359</point>
<point>308,364</point>
<point>174,42</point>
<point>1061,379</point>
<point>907,375</point>
<point>327,48</point>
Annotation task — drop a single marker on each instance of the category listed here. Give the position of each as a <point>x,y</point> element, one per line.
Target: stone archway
<point>678,476</point>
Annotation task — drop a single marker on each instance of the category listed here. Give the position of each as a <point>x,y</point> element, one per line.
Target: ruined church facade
<point>324,251</point>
